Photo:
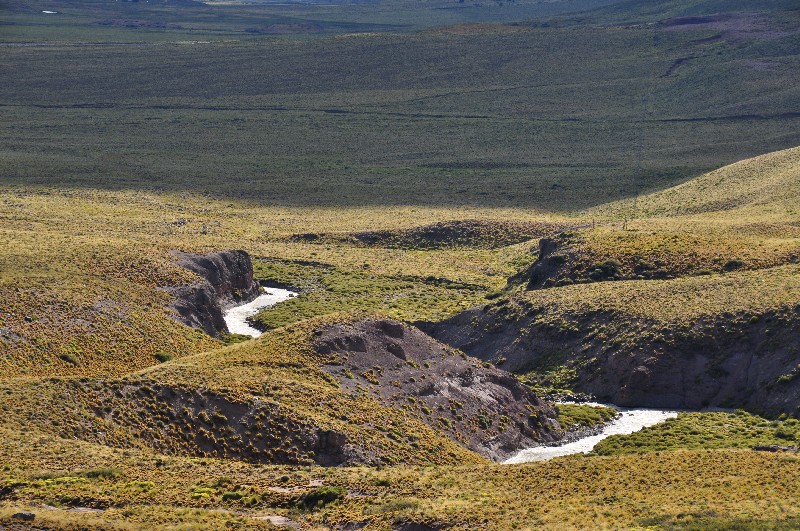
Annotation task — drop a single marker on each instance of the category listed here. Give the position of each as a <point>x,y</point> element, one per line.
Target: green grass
<point>88,20</point>
<point>572,416</point>
<point>327,289</point>
<point>432,118</point>
<point>255,137</point>
<point>705,431</point>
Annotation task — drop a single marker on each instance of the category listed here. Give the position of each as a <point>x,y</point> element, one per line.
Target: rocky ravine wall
<point>228,281</point>
<point>750,361</point>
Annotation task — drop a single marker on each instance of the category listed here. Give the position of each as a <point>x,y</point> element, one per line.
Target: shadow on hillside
<point>553,119</point>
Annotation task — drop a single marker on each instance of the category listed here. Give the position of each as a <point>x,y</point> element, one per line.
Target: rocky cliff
<point>227,280</point>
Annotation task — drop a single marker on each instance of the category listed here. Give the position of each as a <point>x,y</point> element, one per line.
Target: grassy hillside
<point>82,270</point>
<point>708,283</point>
<point>111,225</point>
<point>138,489</point>
<point>761,188</point>
<point>266,401</point>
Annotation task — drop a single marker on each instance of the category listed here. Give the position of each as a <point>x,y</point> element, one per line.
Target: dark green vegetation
<point>463,234</point>
<point>572,416</point>
<point>132,22</point>
<point>552,118</point>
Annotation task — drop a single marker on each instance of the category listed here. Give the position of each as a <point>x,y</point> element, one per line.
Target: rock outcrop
<point>481,407</point>
<point>544,269</point>
<point>228,280</point>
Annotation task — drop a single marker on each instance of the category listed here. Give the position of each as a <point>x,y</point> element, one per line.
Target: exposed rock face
<point>776,448</point>
<point>483,408</point>
<point>557,265</point>
<point>750,361</point>
<point>230,273</point>
<point>228,280</point>
<point>545,268</point>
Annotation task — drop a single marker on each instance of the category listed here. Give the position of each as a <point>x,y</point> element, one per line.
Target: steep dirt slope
<point>485,409</point>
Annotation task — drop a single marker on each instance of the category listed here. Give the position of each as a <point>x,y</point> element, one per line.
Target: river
<point>629,421</point>
<point>236,317</point>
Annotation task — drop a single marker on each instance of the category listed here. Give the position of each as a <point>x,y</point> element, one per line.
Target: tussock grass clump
<point>321,496</point>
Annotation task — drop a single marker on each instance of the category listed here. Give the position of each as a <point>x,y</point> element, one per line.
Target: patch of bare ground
<point>481,407</point>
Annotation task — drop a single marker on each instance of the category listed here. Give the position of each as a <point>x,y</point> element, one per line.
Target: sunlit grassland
<point>760,189</point>
<point>670,248</point>
<point>680,301</point>
<point>69,239</point>
<point>146,490</point>
<point>110,156</point>
<point>81,267</point>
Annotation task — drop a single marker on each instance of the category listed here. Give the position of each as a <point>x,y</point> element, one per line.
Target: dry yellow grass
<point>279,376</point>
<point>79,268</point>
<point>722,488</point>
<point>680,300</point>
<point>80,271</point>
<point>764,187</point>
